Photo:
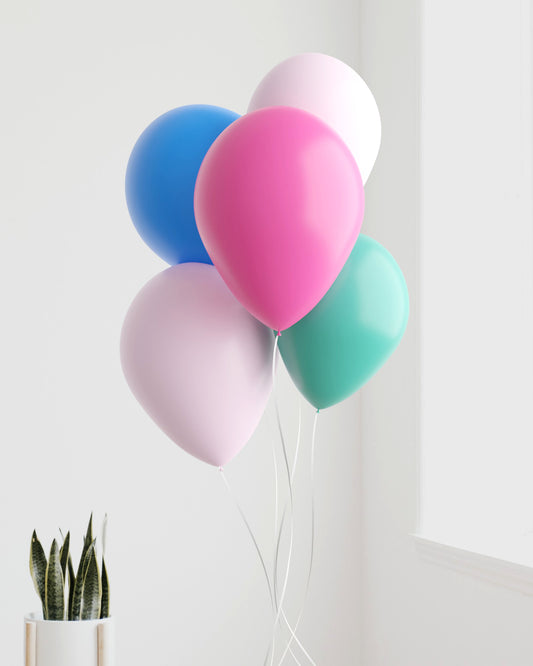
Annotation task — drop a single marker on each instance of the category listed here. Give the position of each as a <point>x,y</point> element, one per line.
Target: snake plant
<point>64,593</point>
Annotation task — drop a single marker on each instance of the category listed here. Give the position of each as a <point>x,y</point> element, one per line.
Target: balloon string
<point>273,596</point>
<point>291,538</point>
<point>278,537</point>
<point>272,646</point>
<point>291,630</point>
<point>258,550</point>
<point>311,557</point>
<point>252,536</point>
<point>276,489</point>
<point>298,436</point>
<point>290,476</point>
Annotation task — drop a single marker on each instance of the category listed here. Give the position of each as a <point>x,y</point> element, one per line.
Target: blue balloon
<point>161,176</point>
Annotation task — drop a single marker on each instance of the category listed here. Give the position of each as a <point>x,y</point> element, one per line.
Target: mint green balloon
<point>353,330</point>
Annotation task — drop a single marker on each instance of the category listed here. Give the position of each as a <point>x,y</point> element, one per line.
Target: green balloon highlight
<point>353,330</point>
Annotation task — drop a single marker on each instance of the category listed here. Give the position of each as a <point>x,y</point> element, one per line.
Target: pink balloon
<point>197,361</point>
<point>279,204</point>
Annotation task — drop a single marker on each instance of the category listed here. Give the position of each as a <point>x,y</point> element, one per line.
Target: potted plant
<point>74,627</point>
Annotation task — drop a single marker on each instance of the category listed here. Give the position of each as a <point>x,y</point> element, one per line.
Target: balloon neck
<point>278,333</point>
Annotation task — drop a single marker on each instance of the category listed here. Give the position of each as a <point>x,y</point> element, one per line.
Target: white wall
<point>416,613</point>
<point>476,280</point>
<point>79,84</point>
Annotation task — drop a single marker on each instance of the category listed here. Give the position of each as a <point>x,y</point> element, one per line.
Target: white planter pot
<point>81,643</point>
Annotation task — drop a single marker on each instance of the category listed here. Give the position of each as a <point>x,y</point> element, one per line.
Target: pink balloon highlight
<point>197,361</point>
<point>279,203</point>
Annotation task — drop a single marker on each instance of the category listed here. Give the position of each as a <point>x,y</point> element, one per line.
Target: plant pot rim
<point>37,617</point>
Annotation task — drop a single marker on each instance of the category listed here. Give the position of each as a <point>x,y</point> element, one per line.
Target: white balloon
<point>331,90</point>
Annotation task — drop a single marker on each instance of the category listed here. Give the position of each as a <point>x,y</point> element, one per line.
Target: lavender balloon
<point>197,361</point>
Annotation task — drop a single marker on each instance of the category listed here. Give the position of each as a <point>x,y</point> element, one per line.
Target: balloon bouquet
<point>259,217</point>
